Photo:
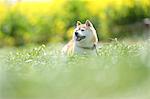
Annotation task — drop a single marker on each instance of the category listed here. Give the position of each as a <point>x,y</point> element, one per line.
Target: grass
<point>121,71</point>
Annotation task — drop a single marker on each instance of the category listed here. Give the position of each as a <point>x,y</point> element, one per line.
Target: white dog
<point>84,40</point>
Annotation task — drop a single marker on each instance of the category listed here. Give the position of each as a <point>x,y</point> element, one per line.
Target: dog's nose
<point>76,33</point>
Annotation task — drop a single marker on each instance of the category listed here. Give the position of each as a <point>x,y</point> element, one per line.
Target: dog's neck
<point>89,48</point>
<point>87,45</point>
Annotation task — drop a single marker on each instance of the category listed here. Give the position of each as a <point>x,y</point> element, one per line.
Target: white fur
<point>79,50</point>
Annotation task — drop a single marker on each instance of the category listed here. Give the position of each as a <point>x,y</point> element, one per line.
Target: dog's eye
<point>82,30</point>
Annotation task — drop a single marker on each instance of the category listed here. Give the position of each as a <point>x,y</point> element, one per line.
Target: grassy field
<point>121,71</point>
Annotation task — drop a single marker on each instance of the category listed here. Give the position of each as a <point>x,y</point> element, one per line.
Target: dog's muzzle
<point>79,38</point>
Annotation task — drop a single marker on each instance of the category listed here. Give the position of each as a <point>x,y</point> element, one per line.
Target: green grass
<point>121,71</point>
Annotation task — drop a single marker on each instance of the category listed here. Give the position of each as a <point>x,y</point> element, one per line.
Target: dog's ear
<point>88,23</point>
<point>78,23</point>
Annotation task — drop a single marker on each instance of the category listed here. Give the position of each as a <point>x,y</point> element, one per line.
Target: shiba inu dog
<point>84,40</point>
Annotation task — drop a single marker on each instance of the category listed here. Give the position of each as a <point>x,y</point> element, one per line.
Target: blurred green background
<point>121,71</point>
<point>42,21</point>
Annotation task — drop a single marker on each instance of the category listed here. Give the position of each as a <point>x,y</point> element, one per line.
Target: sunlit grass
<point>120,71</point>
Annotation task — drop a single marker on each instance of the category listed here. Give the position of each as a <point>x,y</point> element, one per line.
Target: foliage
<point>15,26</point>
<point>124,21</point>
<point>25,22</point>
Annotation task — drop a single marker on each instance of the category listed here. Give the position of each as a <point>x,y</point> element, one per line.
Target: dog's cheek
<point>94,39</point>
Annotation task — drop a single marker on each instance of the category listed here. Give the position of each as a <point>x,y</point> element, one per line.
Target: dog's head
<point>85,34</point>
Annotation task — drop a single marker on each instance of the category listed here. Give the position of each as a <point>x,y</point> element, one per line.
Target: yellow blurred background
<point>42,21</point>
